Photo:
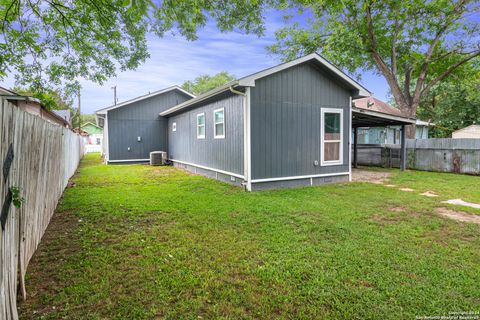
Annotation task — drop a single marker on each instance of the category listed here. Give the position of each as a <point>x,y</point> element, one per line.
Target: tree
<point>54,43</point>
<point>413,44</point>
<point>87,118</point>
<point>204,83</point>
<point>454,103</point>
<point>50,98</point>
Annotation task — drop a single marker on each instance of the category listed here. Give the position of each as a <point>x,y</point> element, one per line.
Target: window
<point>174,126</point>
<point>332,136</point>
<point>219,125</point>
<point>201,126</point>
<point>99,141</point>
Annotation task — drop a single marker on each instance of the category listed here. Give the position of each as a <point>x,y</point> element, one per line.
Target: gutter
<point>246,136</point>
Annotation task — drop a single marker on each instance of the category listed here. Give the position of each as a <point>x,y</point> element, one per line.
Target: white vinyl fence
<point>37,158</point>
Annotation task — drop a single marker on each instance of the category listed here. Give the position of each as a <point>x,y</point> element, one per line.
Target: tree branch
<point>394,44</point>
<point>449,19</point>
<point>389,76</point>
<point>5,18</point>
<point>448,72</point>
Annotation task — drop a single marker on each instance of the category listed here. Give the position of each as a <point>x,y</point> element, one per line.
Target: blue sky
<point>174,60</point>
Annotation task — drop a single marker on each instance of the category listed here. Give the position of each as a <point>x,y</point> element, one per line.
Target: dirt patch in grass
<point>386,219</point>
<point>377,177</point>
<point>57,243</point>
<point>395,214</point>
<point>458,215</point>
<point>429,194</point>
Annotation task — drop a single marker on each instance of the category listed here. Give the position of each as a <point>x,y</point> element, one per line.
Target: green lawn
<point>140,242</point>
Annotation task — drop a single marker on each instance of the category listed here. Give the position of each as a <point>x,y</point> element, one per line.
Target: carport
<point>362,118</point>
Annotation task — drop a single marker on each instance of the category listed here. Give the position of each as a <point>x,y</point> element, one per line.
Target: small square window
<point>201,126</point>
<point>219,125</point>
<point>174,126</point>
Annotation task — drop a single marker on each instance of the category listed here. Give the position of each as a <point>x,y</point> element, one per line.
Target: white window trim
<point>322,137</point>
<point>204,125</point>
<point>174,126</point>
<point>215,136</point>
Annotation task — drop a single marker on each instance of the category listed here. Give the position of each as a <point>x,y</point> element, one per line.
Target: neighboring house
<point>33,106</point>
<point>95,133</point>
<point>285,126</point>
<point>390,134</point>
<point>92,136</point>
<point>132,129</point>
<point>470,132</point>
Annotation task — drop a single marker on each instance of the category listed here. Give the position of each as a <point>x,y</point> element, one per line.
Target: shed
<point>470,132</point>
<point>33,106</point>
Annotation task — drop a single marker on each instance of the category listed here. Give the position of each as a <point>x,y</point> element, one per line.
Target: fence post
<point>403,150</point>
<point>355,147</point>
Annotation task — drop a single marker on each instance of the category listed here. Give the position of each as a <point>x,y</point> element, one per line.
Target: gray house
<point>285,126</point>
<point>133,128</point>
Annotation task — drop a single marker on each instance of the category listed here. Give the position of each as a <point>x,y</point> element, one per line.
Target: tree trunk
<point>410,131</point>
<point>411,112</point>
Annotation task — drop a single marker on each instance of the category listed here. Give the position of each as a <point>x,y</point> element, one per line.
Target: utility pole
<point>114,94</point>
<point>79,111</point>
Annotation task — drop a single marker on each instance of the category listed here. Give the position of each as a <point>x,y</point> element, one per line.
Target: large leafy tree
<point>455,102</point>
<point>205,82</point>
<point>55,43</point>
<point>413,44</point>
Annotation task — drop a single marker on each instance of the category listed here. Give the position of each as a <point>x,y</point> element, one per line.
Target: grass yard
<point>140,242</point>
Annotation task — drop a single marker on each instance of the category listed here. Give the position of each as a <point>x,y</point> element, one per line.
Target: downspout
<point>245,137</point>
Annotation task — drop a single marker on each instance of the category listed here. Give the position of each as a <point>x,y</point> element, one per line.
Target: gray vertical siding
<point>285,122</point>
<point>221,154</point>
<point>140,119</point>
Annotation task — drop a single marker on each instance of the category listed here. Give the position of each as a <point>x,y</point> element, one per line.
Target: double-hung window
<point>219,123</point>
<point>332,136</point>
<point>201,126</point>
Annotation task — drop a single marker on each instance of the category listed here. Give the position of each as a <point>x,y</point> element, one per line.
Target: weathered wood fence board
<point>443,155</point>
<point>45,156</point>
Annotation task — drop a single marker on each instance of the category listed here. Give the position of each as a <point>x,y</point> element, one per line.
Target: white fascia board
<point>153,94</point>
<point>200,98</point>
<point>128,160</point>
<point>383,115</point>
<point>228,173</point>
<point>250,80</point>
<point>301,177</point>
<point>424,123</point>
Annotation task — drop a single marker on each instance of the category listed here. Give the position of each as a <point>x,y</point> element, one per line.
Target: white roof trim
<point>250,80</point>
<point>424,123</point>
<point>383,115</point>
<point>155,93</point>
<point>200,98</point>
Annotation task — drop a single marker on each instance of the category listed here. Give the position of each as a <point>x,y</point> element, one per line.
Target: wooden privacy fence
<point>37,158</point>
<point>443,155</point>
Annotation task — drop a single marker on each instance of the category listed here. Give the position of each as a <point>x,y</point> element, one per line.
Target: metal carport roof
<point>369,118</point>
